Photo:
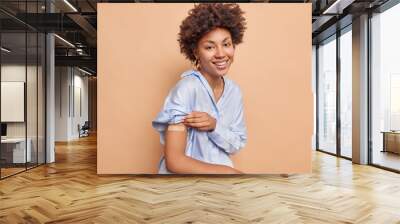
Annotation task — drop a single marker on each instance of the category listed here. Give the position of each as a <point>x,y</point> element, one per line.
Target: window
<point>327,95</point>
<point>346,92</point>
<point>22,65</point>
<point>385,88</point>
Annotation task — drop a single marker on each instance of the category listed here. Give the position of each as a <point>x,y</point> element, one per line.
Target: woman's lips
<point>221,65</point>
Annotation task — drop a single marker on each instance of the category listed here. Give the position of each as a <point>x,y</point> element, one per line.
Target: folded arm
<point>230,137</point>
<point>230,140</point>
<point>178,162</point>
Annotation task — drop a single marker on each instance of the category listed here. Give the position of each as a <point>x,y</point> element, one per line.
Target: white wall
<point>81,103</point>
<point>71,94</point>
<point>62,81</point>
<point>33,127</point>
<point>12,73</point>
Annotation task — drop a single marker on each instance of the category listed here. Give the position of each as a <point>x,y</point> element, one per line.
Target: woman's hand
<point>202,121</point>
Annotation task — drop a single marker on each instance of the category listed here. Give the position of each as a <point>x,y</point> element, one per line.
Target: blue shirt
<point>193,93</point>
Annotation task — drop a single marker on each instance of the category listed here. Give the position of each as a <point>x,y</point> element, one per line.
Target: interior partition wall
<point>334,94</point>
<point>22,88</point>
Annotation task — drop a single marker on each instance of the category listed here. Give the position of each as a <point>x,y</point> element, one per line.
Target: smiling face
<point>215,52</point>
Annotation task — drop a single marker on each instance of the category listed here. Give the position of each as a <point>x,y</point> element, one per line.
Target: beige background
<point>139,61</point>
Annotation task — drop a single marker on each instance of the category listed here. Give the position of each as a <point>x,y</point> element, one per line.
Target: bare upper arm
<point>175,142</point>
<point>178,162</point>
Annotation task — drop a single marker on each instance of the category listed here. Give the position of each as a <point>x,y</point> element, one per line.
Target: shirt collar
<point>205,83</point>
<point>190,72</point>
<point>198,74</point>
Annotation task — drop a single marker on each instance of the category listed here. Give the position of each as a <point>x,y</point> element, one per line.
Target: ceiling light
<point>5,50</point>
<point>337,7</point>
<point>65,41</point>
<point>79,51</point>
<point>70,5</point>
<point>84,71</point>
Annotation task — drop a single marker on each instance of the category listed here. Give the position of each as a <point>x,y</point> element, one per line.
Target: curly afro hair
<point>205,17</point>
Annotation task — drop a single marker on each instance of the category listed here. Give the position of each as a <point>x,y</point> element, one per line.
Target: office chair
<point>84,130</point>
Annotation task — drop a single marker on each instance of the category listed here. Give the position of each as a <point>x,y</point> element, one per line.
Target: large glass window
<point>346,92</point>
<point>31,101</point>
<point>314,90</point>
<point>385,88</point>
<point>22,90</point>
<point>327,95</point>
<point>13,89</point>
<point>41,87</point>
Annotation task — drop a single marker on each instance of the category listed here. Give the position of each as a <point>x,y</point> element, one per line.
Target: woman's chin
<point>221,72</point>
<point>218,72</point>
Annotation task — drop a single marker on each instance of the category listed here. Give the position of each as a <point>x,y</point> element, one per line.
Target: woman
<point>202,120</point>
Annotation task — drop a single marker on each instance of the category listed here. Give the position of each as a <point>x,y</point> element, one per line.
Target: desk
<point>15,148</point>
<point>391,141</point>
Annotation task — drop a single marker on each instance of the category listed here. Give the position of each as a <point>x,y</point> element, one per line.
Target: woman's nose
<point>220,52</point>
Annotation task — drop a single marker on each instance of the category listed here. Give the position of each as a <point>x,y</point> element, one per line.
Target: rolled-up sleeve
<point>231,138</point>
<point>176,107</point>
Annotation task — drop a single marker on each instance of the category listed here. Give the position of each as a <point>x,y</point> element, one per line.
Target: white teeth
<point>223,63</point>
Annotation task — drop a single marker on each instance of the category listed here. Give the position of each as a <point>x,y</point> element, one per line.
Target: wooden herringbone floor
<point>69,191</point>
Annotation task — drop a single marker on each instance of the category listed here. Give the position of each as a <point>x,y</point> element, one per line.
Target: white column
<point>360,90</point>
<point>50,92</point>
<point>50,100</point>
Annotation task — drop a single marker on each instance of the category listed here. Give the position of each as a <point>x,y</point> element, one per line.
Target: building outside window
<point>327,95</point>
<point>385,88</point>
<point>346,92</point>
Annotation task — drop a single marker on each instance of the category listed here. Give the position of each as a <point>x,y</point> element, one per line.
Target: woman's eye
<point>227,44</point>
<point>209,48</point>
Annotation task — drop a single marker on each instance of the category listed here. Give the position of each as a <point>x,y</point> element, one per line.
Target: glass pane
<point>314,66</point>
<point>327,96</point>
<point>386,89</point>
<point>346,94</point>
<point>41,98</point>
<point>31,101</point>
<point>31,84</point>
<point>13,87</point>
<point>22,84</point>
<point>17,8</point>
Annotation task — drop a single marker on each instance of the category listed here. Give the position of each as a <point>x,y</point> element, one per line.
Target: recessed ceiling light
<point>84,71</point>
<point>64,40</point>
<point>337,7</point>
<point>5,50</point>
<point>70,5</point>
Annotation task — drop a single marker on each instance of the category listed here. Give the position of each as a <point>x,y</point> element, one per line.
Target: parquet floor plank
<point>70,191</point>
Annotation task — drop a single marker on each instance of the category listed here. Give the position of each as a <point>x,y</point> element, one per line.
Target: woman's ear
<point>195,53</point>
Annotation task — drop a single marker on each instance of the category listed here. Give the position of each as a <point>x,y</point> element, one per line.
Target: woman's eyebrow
<point>212,42</point>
